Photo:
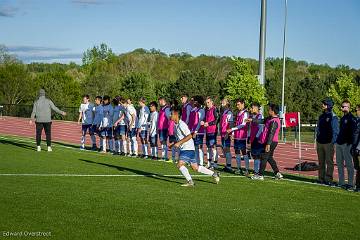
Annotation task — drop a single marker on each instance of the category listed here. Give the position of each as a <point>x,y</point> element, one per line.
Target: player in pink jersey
<point>163,125</point>
<point>240,133</point>
<point>226,123</point>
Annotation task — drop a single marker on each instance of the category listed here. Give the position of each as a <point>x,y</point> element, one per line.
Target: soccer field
<point>85,195</point>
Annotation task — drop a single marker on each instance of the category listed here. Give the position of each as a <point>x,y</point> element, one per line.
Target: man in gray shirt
<point>42,115</point>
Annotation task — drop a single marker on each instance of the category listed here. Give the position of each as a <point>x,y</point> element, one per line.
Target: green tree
<point>97,53</point>
<point>344,88</point>
<point>241,82</point>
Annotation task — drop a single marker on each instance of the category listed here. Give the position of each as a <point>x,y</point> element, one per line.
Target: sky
<point>318,31</point>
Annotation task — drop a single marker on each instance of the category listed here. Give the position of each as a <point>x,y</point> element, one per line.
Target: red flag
<point>292,119</point>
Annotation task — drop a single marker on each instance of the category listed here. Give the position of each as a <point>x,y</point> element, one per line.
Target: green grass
<point>156,207</point>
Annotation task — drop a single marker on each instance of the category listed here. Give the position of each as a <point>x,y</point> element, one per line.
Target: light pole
<point>283,76</point>
<point>262,44</point>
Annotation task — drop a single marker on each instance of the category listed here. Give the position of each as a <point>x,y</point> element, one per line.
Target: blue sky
<point>319,31</point>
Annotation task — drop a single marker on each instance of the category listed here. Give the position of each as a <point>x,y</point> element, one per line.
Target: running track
<point>286,155</point>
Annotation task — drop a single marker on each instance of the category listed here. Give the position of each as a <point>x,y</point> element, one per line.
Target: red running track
<point>70,132</point>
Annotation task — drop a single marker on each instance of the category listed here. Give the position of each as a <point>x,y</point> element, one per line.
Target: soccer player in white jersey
<point>184,141</point>
<point>153,137</point>
<point>132,116</point>
<point>142,126</point>
<point>86,117</point>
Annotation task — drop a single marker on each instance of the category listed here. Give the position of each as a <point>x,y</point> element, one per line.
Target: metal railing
<point>23,110</point>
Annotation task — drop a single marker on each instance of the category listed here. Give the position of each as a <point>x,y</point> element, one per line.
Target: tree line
<point>152,73</point>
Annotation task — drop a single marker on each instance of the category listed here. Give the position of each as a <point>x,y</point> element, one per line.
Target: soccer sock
<point>145,150</point>
<point>83,139</point>
<point>197,154</point>
<point>247,165</point>
<point>214,155</point>
<point>185,172</point>
<point>201,156</point>
<point>228,159</point>
<point>238,161</point>
<point>134,145</point>
<point>165,151</point>
<point>111,146</point>
<point>173,153</point>
<point>155,151</point>
<point>256,165</point>
<point>104,144</point>
<point>205,171</point>
<point>93,140</point>
<point>210,156</point>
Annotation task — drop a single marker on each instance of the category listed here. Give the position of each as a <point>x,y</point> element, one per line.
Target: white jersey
<point>181,131</point>
<point>131,111</point>
<point>87,115</point>
<point>153,119</point>
<point>143,118</point>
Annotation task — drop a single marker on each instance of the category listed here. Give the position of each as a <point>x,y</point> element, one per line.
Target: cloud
<point>8,11</point>
<point>87,2</point>
<point>44,54</point>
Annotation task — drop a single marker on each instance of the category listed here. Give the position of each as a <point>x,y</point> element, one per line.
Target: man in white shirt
<point>187,150</point>
<point>86,117</point>
<point>142,126</point>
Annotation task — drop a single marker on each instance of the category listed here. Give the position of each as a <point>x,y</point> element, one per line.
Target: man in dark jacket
<point>343,146</point>
<point>356,148</point>
<point>326,135</point>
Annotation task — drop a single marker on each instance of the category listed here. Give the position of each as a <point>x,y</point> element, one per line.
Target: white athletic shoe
<point>38,148</point>
<point>257,177</point>
<point>279,176</point>
<point>188,184</point>
<point>49,149</point>
<point>216,177</point>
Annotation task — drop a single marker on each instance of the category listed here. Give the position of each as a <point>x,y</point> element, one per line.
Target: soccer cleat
<point>145,157</point>
<point>168,160</point>
<point>279,176</point>
<point>133,155</point>
<point>257,177</point>
<point>216,177</point>
<point>228,170</point>
<point>188,184</point>
<point>82,147</point>
<point>38,148</point>
<point>49,149</point>
<point>239,172</point>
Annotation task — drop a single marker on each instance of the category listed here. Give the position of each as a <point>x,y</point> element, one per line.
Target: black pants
<point>269,157</point>
<point>356,159</point>
<point>47,127</point>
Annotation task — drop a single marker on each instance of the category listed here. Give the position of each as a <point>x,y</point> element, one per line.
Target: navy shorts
<point>153,140</point>
<point>225,142</point>
<point>163,135</point>
<point>199,139</point>
<point>95,130</point>
<point>132,133</point>
<point>87,128</point>
<point>187,156</point>
<point>172,139</point>
<point>122,130</point>
<point>143,134</point>
<point>211,139</point>
<point>239,144</point>
<point>257,148</point>
<point>106,132</point>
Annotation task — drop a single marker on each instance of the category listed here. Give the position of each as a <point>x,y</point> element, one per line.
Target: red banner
<point>292,119</point>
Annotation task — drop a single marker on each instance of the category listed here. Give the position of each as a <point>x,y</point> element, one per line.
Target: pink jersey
<point>194,121</point>
<point>265,133</point>
<point>224,123</point>
<point>171,128</point>
<point>210,117</point>
<point>242,132</point>
<point>163,122</point>
<point>184,112</point>
<point>254,128</point>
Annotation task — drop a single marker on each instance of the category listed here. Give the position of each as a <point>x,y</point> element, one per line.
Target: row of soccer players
<point>119,124</point>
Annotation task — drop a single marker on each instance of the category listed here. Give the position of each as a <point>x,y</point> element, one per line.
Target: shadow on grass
<point>156,176</point>
<point>17,144</point>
